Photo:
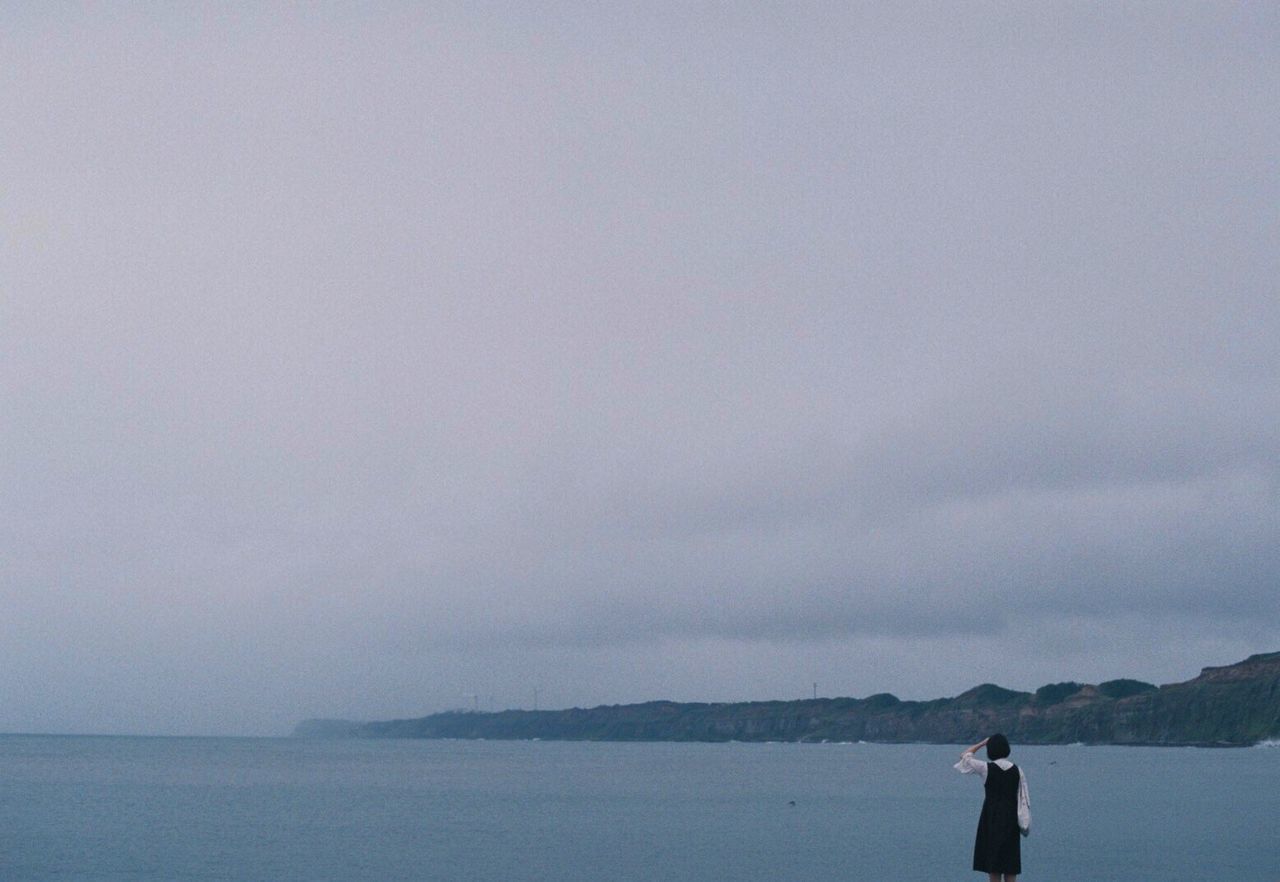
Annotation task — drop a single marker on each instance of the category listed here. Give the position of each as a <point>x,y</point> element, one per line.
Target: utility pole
<point>815,691</point>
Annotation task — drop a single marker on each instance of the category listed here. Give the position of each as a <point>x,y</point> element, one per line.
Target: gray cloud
<point>359,359</point>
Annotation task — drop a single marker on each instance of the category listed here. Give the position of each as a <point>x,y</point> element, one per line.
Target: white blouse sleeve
<point>971,765</point>
<point>1024,802</point>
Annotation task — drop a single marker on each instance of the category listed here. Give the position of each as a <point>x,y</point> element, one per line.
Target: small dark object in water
<point>792,802</point>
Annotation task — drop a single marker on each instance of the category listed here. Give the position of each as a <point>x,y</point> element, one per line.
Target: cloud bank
<point>359,361</point>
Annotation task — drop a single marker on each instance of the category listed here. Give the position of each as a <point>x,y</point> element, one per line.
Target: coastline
<point>1228,706</point>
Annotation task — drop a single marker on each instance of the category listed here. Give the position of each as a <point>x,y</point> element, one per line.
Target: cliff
<point>1225,706</point>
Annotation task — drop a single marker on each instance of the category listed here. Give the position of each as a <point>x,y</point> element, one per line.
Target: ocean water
<point>77,809</point>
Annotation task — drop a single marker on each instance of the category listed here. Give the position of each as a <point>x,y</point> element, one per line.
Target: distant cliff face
<point>1233,705</point>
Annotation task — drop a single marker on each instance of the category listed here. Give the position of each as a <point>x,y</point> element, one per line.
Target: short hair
<point>997,747</point>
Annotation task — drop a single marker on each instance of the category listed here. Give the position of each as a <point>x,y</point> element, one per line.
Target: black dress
<point>998,846</point>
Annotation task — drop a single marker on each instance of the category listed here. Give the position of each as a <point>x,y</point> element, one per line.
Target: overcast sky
<point>357,360</point>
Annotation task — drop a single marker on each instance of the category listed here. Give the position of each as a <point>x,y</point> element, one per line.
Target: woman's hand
<point>977,747</point>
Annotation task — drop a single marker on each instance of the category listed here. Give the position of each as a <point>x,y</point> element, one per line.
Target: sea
<point>110,809</point>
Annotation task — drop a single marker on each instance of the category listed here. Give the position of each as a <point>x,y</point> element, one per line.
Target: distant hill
<point>1233,705</point>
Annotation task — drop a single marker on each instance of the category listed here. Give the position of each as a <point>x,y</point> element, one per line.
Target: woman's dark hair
<point>997,747</point>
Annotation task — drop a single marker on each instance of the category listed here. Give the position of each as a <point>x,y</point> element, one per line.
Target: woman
<point>1006,810</point>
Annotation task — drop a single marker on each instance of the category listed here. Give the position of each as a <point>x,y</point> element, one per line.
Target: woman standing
<point>1006,810</point>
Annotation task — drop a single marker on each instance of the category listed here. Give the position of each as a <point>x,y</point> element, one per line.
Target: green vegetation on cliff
<point>1233,705</point>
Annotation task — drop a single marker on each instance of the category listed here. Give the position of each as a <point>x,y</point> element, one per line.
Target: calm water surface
<point>282,809</point>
